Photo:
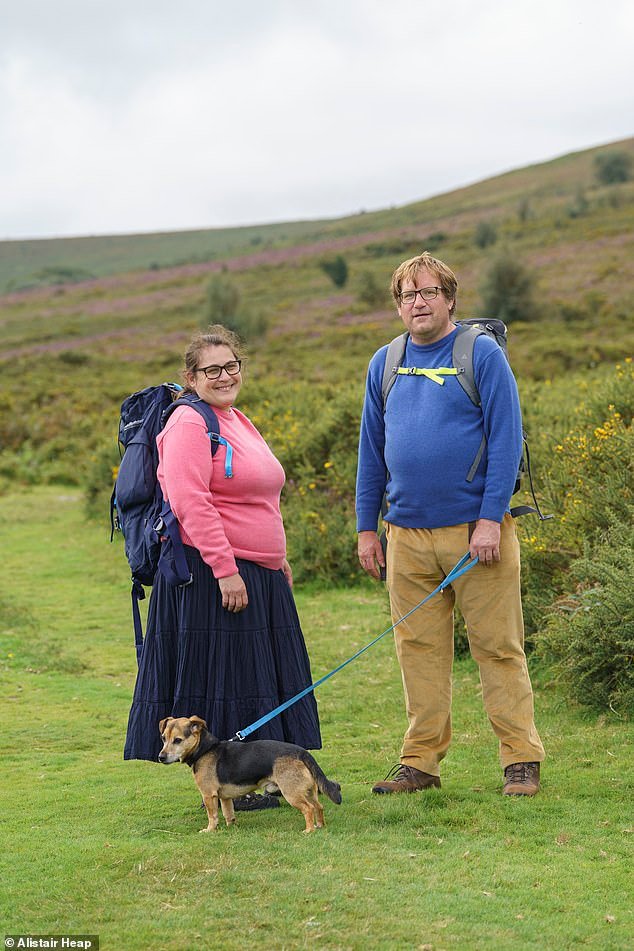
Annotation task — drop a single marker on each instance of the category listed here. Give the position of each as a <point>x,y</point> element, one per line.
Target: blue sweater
<point>421,451</point>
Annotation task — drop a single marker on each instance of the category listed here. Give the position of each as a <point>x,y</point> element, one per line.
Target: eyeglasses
<point>427,293</point>
<point>214,372</point>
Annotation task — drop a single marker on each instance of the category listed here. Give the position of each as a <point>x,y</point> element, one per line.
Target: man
<point>419,452</point>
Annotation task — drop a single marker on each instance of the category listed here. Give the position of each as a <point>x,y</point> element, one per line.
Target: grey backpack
<point>462,356</point>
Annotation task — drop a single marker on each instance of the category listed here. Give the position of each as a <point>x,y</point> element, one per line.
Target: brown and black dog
<point>226,769</point>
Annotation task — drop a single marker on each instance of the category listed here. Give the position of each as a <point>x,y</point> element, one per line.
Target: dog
<point>224,770</point>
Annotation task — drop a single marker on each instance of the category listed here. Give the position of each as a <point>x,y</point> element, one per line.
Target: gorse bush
<point>613,167</point>
<point>507,291</point>
<point>579,206</point>
<point>582,445</point>
<point>225,305</point>
<point>223,300</point>
<point>371,292</point>
<point>485,235</point>
<point>336,268</point>
<point>250,325</point>
<point>524,210</point>
<point>316,442</point>
<point>589,637</point>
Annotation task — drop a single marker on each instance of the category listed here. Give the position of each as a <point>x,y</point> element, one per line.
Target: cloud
<point>148,116</point>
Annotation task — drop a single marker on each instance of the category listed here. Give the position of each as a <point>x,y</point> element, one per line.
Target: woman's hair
<point>407,271</point>
<point>215,336</point>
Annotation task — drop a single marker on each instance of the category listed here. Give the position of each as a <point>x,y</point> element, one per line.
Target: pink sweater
<point>223,518</point>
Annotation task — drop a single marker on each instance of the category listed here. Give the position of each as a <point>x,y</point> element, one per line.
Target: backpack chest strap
<point>435,373</point>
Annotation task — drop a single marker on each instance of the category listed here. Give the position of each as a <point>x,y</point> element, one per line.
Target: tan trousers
<point>489,598</point>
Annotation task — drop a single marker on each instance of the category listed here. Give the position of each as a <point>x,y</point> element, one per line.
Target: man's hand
<point>234,593</point>
<point>370,553</point>
<point>485,541</point>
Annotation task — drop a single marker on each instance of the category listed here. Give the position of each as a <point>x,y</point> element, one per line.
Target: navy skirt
<point>199,659</point>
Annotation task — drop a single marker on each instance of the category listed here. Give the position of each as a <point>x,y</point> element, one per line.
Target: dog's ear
<point>163,724</point>
<point>197,724</point>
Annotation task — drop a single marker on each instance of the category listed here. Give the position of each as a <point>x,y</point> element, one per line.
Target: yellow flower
<point>328,465</point>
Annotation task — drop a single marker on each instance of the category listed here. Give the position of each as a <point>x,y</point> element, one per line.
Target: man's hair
<point>408,269</point>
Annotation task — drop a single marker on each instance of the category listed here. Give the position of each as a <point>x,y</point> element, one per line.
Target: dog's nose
<point>161,757</point>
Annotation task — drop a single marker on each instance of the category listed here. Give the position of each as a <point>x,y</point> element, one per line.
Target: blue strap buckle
<point>215,437</point>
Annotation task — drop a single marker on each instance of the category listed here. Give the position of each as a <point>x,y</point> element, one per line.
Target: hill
<point>70,352</point>
<point>555,185</point>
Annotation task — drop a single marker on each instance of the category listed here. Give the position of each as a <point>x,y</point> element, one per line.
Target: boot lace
<point>399,771</point>
<point>520,772</point>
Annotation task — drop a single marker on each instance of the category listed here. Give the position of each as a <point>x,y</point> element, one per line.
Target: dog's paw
<point>208,829</point>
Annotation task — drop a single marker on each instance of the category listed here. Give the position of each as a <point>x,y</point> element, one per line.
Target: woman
<point>229,646</point>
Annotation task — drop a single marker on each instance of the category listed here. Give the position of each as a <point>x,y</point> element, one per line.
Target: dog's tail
<point>324,785</point>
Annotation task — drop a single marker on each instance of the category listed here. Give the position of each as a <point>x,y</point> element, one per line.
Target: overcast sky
<point>154,115</point>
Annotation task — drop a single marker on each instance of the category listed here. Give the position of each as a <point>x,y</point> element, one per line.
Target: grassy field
<point>95,845</point>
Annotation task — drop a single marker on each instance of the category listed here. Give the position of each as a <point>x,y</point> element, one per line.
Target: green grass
<point>95,845</point>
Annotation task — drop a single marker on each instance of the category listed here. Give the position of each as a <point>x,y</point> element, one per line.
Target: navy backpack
<point>137,508</point>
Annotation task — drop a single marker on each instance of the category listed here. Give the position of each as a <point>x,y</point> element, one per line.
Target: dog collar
<point>204,746</point>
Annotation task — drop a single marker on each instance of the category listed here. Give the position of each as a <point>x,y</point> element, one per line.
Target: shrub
<point>223,299</point>
<point>371,293</point>
<point>336,269</point>
<point>579,207</point>
<point>434,240</point>
<point>381,249</point>
<point>524,210</point>
<point>251,325</point>
<point>319,512</point>
<point>53,277</point>
<point>507,291</point>
<point>225,306</point>
<point>613,167</point>
<point>582,447</point>
<point>313,430</point>
<point>486,234</point>
<point>590,635</point>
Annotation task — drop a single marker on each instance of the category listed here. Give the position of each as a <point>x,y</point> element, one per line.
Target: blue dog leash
<point>459,569</point>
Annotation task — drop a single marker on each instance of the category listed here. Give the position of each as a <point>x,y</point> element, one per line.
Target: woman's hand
<point>288,574</point>
<point>234,593</point>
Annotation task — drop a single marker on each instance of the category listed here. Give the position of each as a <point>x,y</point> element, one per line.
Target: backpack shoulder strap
<point>393,359</point>
<point>463,345</point>
<point>212,425</point>
<point>204,410</point>
<point>211,420</point>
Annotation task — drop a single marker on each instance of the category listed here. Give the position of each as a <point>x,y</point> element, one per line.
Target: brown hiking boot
<point>403,778</point>
<point>521,779</point>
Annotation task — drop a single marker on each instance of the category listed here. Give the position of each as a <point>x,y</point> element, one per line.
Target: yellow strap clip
<point>436,373</point>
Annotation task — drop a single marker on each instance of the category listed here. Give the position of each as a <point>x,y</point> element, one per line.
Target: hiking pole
<point>459,569</point>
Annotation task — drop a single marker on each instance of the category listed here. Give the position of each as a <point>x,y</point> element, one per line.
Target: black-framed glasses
<point>213,372</point>
<point>427,293</point>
